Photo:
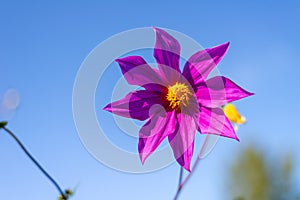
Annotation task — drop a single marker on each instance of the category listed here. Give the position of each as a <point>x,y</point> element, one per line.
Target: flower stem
<point>182,184</point>
<point>179,184</point>
<point>35,162</point>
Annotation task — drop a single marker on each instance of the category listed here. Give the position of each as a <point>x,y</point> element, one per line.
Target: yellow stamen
<point>178,95</point>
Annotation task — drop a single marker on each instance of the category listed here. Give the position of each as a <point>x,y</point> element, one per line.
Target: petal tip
<point>188,169</point>
<point>247,94</point>
<point>223,48</point>
<point>107,107</point>
<point>156,29</point>
<point>122,60</point>
<point>185,164</point>
<point>235,137</point>
<point>226,46</point>
<point>251,93</point>
<point>143,158</point>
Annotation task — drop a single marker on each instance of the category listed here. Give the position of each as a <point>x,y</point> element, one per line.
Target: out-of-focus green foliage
<point>249,177</point>
<point>253,177</point>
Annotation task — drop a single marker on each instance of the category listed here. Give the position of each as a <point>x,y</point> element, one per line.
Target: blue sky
<point>44,43</point>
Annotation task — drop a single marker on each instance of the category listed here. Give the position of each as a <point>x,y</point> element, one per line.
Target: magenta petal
<point>214,121</point>
<point>154,132</point>
<point>182,141</point>
<point>135,105</point>
<point>218,91</point>
<point>199,65</point>
<point>137,72</point>
<point>167,53</point>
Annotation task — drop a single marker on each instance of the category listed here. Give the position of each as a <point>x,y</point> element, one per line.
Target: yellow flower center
<point>178,95</point>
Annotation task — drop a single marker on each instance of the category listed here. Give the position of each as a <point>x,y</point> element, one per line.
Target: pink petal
<point>214,121</point>
<point>135,105</point>
<point>182,141</point>
<point>218,91</point>
<point>167,54</point>
<point>137,72</point>
<point>154,132</point>
<point>199,65</point>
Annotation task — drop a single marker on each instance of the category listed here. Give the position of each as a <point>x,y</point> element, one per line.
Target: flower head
<point>176,104</point>
<point>233,114</point>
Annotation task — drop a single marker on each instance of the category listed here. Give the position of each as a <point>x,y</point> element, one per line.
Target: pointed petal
<point>199,65</point>
<point>137,72</point>
<point>182,141</point>
<point>167,53</point>
<point>135,105</point>
<point>218,91</point>
<point>214,121</point>
<point>154,132</point>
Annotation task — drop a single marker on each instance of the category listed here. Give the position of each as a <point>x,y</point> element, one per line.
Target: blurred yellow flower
<point>233,115</point>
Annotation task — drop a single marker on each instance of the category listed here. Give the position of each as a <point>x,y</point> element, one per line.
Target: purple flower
<point>177,104</point>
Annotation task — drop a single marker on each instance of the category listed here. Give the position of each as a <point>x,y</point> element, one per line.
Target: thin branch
<point>64,197</point>
<point>193,169</point>
<point>179,183</point>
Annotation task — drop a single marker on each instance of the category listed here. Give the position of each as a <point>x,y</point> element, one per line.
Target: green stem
<point>35,162</point>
